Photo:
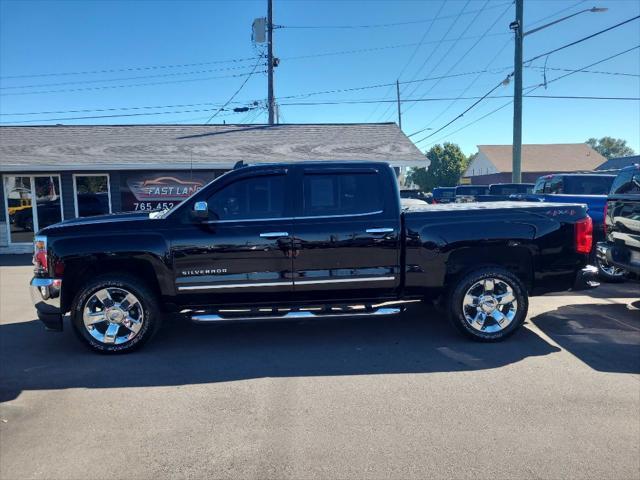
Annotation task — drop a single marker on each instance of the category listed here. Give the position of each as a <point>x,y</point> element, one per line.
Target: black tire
<point>606,276</point>
<point>148,306</point>
<point>456,303</point>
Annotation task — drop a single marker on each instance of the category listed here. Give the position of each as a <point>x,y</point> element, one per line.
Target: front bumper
<point>45,294</point>
<point>586,278</point>
<point>619,256</point>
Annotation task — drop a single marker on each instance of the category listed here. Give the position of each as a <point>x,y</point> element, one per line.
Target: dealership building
<point>54,173</point>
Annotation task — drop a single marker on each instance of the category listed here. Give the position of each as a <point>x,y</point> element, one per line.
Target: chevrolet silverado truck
<point>305,240</point>
<point>621,247</point>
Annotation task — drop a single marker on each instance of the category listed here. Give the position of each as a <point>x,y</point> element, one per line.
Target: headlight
<point>40,260</point>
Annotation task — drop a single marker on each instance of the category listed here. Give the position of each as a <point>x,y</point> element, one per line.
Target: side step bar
<point>214,317</point>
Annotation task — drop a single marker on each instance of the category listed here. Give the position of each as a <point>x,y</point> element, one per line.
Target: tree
<point>610,147</point>
<point>446,167</point>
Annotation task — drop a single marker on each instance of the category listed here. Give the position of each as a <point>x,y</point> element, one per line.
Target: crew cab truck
<point>621,247</point>
<point>305,240</point>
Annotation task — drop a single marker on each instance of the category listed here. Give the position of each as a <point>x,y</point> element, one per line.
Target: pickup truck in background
<point>590,189</point>
<point>443,195</point>
<point>496,192</point>
<point>300,241</point>
<point>621,247</point>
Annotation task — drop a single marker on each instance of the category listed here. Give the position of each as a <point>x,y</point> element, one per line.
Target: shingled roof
<point>558,157</point>
<point>114,147</point>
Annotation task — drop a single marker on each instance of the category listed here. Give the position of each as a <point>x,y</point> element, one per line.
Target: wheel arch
<point>79,271</point>
<point>515,259</point>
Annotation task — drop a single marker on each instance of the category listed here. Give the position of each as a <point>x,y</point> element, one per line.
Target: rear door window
<point>341,194</point>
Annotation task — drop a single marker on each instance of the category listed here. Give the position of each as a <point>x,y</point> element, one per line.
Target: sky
<point>181,61</point>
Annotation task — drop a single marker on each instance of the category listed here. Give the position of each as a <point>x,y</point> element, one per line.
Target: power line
<point>599,72</point>
<point>236,92</point>
<point>582,39</point>
<point>589,66</point>
<point>123,79</point>
<point>412,56</point>
<point>433,51</point>
<point>300,95</point>
<point>380,25</point>
<point>338,102</point>
<point>131,85</point>
<point>529,61</point>
<point>125,115</point>
<point>464,56</point>
<point>128,69</point>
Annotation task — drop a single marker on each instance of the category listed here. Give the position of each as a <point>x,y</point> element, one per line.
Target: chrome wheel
<point>489,305</point>
<point>113,316</point>
<point>611,270</point>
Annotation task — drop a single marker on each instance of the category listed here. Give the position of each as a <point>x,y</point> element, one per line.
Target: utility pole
<point>398,98</point>
<point>518,29</point>
<point>270,98</point>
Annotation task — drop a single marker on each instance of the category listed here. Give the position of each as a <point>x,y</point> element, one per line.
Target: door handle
<point>379,230</point>
<point>274,234</point>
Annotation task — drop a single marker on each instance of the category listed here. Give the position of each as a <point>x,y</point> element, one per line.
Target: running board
<point>296,315</point>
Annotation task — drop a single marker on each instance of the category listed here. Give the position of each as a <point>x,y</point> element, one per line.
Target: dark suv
<point>621,247</point>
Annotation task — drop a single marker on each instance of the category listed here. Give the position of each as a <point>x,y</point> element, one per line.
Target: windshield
<point>510,189</point>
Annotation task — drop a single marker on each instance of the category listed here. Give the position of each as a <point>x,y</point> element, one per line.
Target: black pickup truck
<point>621,248</point>
<point>305,240</point>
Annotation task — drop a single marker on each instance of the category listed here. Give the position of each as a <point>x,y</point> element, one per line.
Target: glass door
<point>33,202</point>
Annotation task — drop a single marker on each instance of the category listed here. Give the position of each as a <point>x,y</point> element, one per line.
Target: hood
<point>98,219</point>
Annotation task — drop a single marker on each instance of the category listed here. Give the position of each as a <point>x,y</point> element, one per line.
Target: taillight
<point>584,235</point>
<point>40,260</point>
<point>604,218</point>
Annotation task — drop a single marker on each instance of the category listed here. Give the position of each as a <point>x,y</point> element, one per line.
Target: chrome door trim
<point>319,217</point>
<point>380,230</point>
<point>344,280</point>
<point>235,285</point>
<point>274,234</point>
<point>287,283</point>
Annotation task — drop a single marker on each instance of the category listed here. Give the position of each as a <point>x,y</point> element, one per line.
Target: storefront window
<point>161,190</point>
<point>24,217</point>
<point>92,195</point>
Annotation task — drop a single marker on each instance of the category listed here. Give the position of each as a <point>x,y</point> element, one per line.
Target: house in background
<point>619,163</point>
<point>492,163</point>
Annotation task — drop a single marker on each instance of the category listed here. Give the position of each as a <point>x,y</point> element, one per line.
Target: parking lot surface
<point>397,397</point>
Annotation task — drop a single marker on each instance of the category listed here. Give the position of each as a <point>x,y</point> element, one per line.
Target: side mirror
<point>200,211</point>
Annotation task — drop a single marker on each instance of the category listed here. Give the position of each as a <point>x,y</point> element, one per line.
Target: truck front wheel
<point>488,304</point>
<point>115,314</point>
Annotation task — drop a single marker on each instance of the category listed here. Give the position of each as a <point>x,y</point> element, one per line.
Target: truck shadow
<point>605,337</point>
<point>419,341</point>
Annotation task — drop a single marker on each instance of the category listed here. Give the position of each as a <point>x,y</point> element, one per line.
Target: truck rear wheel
<point>115,314</point>
<point>488,304</point>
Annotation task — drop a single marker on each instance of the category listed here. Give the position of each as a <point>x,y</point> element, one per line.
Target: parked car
<point>507,189</point>
<point>468,193</point>
<point>590,189</point>
<point>621,248</point>
<point>416,194</point>
<point>444,194</point>
<point>305,240</point>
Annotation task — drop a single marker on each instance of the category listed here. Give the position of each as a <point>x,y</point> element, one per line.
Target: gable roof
<point>559,157</point>
<point>619,163</point>
<point>114,147</point>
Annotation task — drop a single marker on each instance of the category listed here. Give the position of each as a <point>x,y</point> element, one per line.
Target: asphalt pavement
<point>396,397</point>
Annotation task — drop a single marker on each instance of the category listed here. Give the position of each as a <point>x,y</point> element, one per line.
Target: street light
<point>516,26</point>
